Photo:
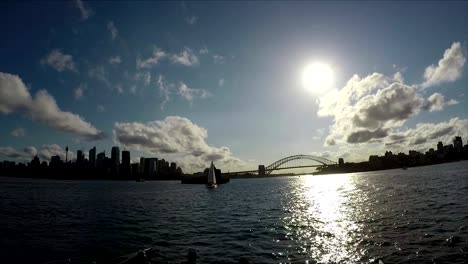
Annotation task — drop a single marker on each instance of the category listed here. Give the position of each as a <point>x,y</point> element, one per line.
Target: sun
<point>317,78</point>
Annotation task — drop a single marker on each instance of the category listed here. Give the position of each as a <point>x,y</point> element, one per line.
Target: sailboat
<point>211,177</point>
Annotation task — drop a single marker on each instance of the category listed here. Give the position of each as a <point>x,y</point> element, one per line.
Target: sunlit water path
<point>405,216</point>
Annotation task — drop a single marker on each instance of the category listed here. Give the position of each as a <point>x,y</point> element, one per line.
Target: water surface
<point>419,215</point>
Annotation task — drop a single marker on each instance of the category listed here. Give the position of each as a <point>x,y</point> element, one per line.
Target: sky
<point>193,82</point>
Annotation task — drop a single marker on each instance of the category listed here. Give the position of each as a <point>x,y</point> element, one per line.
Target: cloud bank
<point>374,109</point>
<point>42,108</point>
<point>175,137</point>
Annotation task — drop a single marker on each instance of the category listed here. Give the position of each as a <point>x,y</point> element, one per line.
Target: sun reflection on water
<point>320,216</point>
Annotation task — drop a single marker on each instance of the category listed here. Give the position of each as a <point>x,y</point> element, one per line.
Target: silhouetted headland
<point>443,154</point>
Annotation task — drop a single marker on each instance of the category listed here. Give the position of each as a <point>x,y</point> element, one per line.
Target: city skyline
<point>189,82</point>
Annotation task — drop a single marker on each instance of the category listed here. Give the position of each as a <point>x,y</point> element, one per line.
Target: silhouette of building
<point>100,160</point>
<point>340,162</point>
<point>440,147</point>
<point>79,157</point>
<point>150,167</point>
<point>115,160</point>
<point>55,161</point>
<point>173,167</point>
<point>126,169</point>
<point>458,144</point>
<point>35,162</point>
<point>142,166</point>
<point>92,157</point>
<point>115,156</point>
<point>261,170</point>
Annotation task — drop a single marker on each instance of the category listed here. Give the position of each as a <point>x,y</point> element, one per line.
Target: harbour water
<point>419,215</point>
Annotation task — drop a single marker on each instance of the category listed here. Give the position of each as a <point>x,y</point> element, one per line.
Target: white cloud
<point>19,132</point>
<point>189,93</point>
<point>112,29</point>
<point>115,60</point>
<point>100,73</point>
<point>85,10</point>
<point>221,82</point>
<point>186,57</point>
<point>79,91</point>
<point>47,151</point>
<point>12,153</point>
<point>367,109</point>
<point>59,61</point>
<point>144,77</point>
<point>42,108</point>
<point>156,57</point>
<point>13,94</point>
<point>448,69</point>
<point>426,135</point>
<point>164,90</point>
<point>44,153</point>
<point>203,51</point>
<point>218,59</point>
<point>191,20</point>
<point>175,137</point>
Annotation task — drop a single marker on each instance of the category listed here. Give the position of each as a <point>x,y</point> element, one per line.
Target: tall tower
<point>66,154</point>
<point>126,163</point>
<point>92,157</point>
<point>115,161</point>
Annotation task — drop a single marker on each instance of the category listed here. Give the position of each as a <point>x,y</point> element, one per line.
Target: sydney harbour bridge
<point>291,162</point>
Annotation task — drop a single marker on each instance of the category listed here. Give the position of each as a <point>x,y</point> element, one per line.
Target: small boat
<point>211,184</point>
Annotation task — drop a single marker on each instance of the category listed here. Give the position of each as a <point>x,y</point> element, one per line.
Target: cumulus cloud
<point>85,10</point>
<point>156,57</point>
<point>173,137</point>
<point>448,69</point>
<point>426,135</point>
<point>115,60</point>
<point>189,93</point>
<point>59,61</point>
<point>13,94</point>
<point>186,57</point>
<point>12,153</point>
<point>367,107</point>
<point>42,108</point>
<point>45,152</point>
<point>371,109</point>
<point>19,132</point>
<point>112,29</point>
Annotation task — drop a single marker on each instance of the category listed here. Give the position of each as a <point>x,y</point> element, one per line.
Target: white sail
<point>211,174</point>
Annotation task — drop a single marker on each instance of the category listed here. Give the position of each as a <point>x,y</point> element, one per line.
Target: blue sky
<point>195,81</point>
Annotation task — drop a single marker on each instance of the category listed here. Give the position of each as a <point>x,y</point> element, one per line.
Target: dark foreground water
<point>419,215</point>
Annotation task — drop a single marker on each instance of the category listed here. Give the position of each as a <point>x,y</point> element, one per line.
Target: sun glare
<point>317,78</point>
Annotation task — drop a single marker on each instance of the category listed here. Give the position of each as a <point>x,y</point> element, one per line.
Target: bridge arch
<point>275,165</point>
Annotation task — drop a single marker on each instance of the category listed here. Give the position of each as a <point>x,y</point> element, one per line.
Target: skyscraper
<point>79,157</point>
<point>115,156</point>
<point>92,157</point>
<point>458,144</point>
<point>115,161</point>
<point>126,163</point>
<point>100,160</point>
